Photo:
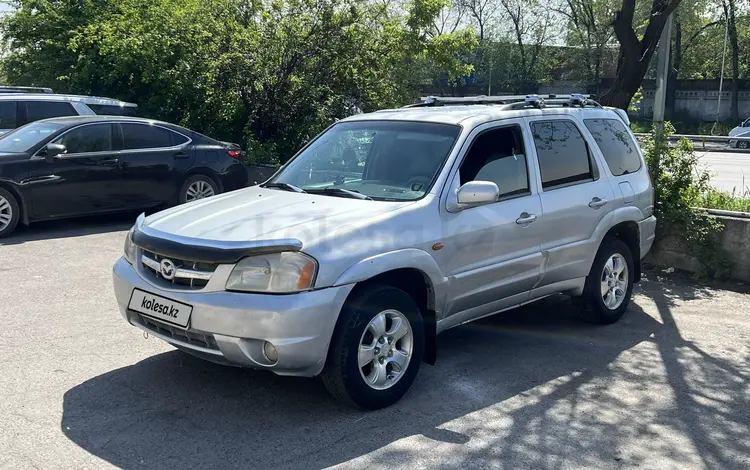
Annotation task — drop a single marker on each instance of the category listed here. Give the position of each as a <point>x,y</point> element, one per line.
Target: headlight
<point>130,247</point>
<point>274,273</point>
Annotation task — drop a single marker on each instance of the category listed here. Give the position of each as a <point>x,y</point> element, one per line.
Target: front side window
<point>38,110</point>
<point>27,137</point>
<point>616,145</point>
<point>87,139</point>
<point>498,156</point>
<point>562,152</point>
<point>144,136</point>
<point>384,160</point>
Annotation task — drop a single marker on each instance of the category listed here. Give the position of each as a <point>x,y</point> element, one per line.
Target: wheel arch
<point>629,232</point>
<point>204,171</point>
<point>23,204</point>
<point>413,271</point>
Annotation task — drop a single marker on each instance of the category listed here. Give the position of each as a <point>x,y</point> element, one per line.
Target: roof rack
<point>24,89</point>
<point>510,101</point>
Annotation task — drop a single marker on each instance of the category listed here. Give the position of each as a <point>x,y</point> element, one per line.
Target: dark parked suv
<point>73,166</point>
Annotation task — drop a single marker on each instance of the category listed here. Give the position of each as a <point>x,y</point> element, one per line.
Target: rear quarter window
<point>616,145</point>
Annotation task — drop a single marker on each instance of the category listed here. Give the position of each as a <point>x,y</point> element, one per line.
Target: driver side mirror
<point>53,151</point>
<point>475,193</point>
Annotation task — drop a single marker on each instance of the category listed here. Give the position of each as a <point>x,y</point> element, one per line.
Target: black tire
<point>593,308</point>
<point>341,375</point>
<point>12,209</point>
<point>195,179</point>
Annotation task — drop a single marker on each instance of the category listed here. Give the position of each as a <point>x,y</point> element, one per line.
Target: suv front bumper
<point>231,328</point>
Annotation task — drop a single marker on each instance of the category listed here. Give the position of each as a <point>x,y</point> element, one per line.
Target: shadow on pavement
<point>174,411</point>
<point>66,228</point>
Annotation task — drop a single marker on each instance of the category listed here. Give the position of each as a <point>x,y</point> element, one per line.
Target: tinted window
<point>36,110</point>
<point>7,114</point>
<point>616,145</point>
<point>112,110</point>
<point>145,136</point>
<point>498,156</point>
<point>562,152</point>
<point>26,137</point>
<point>384,160</point>
<point>178,139</point>
<point>92,138</point>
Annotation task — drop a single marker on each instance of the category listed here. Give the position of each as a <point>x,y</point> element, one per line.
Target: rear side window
<point>36,110</point>
<point>144,136</point>
<point>89,138</point>
<point>178,139</point>
<point>563,154</point>
<point>498,156</point>
<point>7,114</point>
<point>616,145</point>
<point>112,110</point>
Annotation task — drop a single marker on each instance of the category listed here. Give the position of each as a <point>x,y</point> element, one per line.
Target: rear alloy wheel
<point>743,144</point>
<point>609,285</point>
<point>9,213</point>
<point>198,187</point>
<point>376,349</point>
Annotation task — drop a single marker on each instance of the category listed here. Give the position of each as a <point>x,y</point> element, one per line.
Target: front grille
<point>188,336</point>
<point>191,274</point>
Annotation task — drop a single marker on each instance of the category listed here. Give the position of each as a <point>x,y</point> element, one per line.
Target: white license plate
<point>156,306</point>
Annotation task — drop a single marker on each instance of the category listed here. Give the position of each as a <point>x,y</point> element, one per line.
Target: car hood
<point>738,130</point>
<point>255,213</point>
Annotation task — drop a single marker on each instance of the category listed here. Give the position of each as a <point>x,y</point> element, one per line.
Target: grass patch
<point>726,201</point>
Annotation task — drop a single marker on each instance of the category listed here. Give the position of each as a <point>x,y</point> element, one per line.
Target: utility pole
<point>662,72</point>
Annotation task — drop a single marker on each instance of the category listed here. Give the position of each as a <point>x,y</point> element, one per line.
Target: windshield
<point>384,160</point>
<point>25,138</point>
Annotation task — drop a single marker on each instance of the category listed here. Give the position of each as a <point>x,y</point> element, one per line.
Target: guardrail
<point>703,139</point>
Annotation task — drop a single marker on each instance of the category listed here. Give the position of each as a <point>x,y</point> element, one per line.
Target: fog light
<point>270,352</point>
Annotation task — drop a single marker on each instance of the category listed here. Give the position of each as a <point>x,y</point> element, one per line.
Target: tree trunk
<point>635,53</point>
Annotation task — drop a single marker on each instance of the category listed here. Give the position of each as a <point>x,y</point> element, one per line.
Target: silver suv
<point>392,227</point>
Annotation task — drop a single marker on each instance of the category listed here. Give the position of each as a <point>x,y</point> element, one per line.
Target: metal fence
<point>710,142</point>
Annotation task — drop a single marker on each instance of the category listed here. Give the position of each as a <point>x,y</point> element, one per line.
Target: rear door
<point>576,196</point>
<point>81,181</point>
<point>154,160</point>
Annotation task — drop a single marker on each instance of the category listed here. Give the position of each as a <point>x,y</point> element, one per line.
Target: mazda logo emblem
<point>167,269</point>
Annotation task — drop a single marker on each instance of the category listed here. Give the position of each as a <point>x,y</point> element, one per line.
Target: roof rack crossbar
<point>539,100</point>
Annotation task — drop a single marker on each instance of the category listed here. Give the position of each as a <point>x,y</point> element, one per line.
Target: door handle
<point>110,161</point>
<point>525,218</point>
<point>180,155</point>
<point>596,203</point>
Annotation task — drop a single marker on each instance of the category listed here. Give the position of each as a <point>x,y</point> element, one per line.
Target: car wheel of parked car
<point>376,349</point>
<point>742,144</point>
<point>198,187</point>
<point>9,213</point>
<point>609,285</point>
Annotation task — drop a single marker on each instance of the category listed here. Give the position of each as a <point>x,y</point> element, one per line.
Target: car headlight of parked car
<point>277,273</point>
<point>130,247</point>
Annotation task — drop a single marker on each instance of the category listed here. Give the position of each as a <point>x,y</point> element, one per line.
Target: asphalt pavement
<point>730,170</point>
<point>666,387</point>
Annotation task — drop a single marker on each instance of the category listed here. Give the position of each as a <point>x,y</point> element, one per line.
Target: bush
<point>722,200</point>
<point>679,186</point>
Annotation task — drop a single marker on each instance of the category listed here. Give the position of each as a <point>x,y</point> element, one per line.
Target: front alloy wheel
<point>376,348</point>
<point>385,349</point>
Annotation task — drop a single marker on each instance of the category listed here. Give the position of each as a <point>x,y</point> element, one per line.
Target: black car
<point>73,166</point>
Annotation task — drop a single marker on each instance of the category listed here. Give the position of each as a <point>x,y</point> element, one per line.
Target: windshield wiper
<point>285,187</point>
<point>344,193</point>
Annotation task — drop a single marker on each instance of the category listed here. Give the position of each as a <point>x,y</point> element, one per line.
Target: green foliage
<point>738,201</point>
<point>678,187</point>
<point>267,74</point>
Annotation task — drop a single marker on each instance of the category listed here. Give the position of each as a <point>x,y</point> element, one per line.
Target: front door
<point>82,180</point>
<point>492,256</point>
<point>154,160</point>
